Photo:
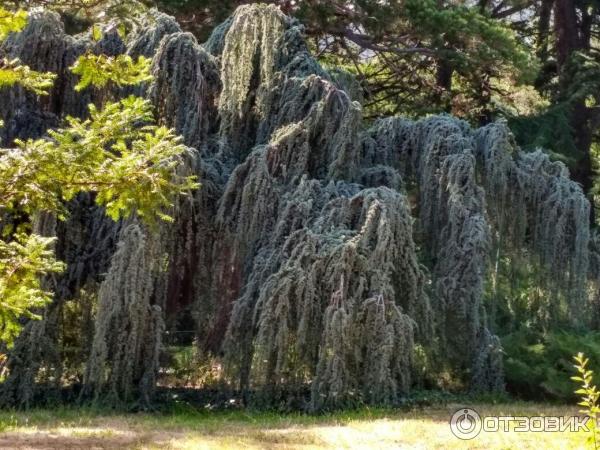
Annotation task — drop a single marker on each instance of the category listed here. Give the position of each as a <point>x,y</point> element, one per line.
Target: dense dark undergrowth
<point>538,367</point>
<point>169,400</point>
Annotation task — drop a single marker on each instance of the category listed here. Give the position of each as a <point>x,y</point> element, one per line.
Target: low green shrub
<point>538,366</point>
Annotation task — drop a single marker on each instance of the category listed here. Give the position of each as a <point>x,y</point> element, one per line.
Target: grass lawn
<point>426,428</point>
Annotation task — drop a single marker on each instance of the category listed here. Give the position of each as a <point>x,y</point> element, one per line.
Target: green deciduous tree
<point>11,71</point>
<point>99,70</point>
<point>22,262</point>
<point>118,153</point>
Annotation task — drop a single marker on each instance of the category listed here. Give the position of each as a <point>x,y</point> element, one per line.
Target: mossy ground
<point>187,428</point>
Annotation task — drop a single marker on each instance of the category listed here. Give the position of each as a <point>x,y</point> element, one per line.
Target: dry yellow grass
<point>417,429</point>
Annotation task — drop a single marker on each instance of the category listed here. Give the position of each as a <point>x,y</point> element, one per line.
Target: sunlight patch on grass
<point>363,429</point>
